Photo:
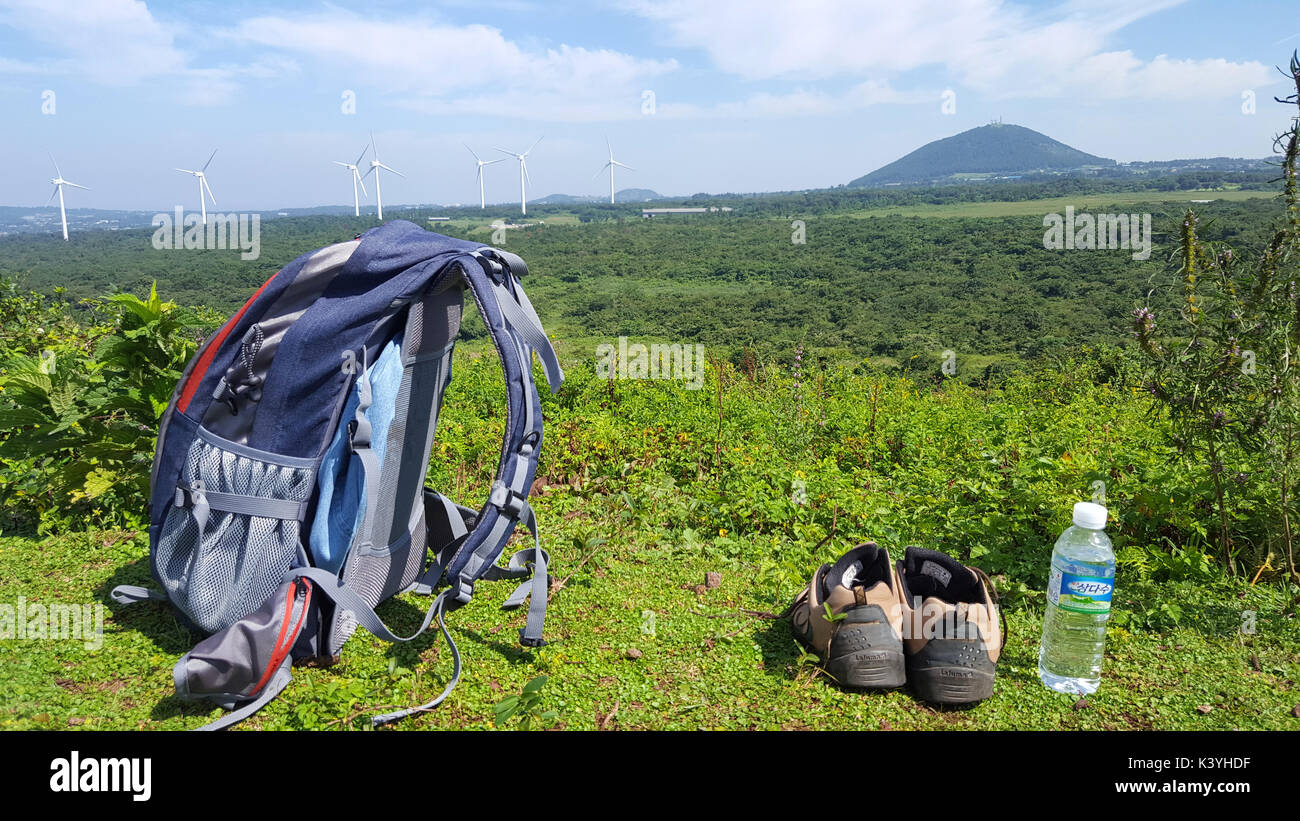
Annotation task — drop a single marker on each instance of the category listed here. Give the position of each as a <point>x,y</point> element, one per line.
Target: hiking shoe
<point>951,637</point>
<point>861,644</point>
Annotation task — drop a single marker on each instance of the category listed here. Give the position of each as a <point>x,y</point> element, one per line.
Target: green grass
<point>1039,207</point>
<point>708,664</point>
<point>648,486</point>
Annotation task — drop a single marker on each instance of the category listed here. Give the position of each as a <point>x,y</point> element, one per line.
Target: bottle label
<point>1080,594</point>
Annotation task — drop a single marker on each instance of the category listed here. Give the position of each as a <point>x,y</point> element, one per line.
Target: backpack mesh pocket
<point>218,566</point>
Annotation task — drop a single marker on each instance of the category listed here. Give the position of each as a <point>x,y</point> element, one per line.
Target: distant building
<point>439,219</point>
<point>659,212</point>
<point>647,213</point>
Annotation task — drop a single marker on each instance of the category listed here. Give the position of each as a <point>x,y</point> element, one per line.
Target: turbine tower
<point>356,180</point>
<point>203,185</point>
<point>610,165</point>
<point>375,165</point>
<point>482,200</point>
<point>59,182</point>
<point>523,174</point>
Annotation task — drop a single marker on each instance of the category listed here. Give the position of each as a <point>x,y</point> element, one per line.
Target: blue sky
<point>748,95</point>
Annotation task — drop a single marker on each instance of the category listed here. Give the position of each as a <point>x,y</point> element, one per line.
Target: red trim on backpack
<point>201,367</point>
<point>282,647</point>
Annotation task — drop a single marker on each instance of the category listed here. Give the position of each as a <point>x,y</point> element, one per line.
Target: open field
<point>1083,202</point>
<point>647,487</point>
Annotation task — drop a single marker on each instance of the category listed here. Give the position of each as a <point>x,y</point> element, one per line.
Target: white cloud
<point>998,48</point>
<point>801,103</point>
<point>441,67</point>
<point>222,85</point>
<point>113,42</point>
<point>1118,74</point>
<point>9,66</point>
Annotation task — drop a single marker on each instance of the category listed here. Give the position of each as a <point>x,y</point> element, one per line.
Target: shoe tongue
<point>879,593</point>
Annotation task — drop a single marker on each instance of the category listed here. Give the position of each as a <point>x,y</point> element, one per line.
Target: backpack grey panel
<point>390,546</point>
<point>218,566</point>
<point>251,658</point>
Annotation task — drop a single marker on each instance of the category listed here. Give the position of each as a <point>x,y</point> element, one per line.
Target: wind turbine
<point>375,165</point>
<point>356,180</point>
<point>59,182</point>
<point>523,174</point>
<point>610,165</point>
<point>203,185</point>
<point>482,201</point>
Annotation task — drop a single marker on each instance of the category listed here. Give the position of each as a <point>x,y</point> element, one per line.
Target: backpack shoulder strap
<point>493,279</point>
<point>476,541</point>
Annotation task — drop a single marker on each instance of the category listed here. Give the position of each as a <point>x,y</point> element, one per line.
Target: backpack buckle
<point>506,500</point>
<point>462,591</point>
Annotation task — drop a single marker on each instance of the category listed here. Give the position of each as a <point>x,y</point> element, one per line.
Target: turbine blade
<point>363,154</point>
<point>52,193</point>
<point>470,150</point>
<point>392,171</point>
<point>208,188</point>
<point>534,145</point>
<point>185,171</point>
<point>503,151</point>
<point>345,165</point>
<point>74,185</point>
<point>368,173</point>
<point>209,162</point>
<point>600,171</point>
<point>360,182</point>
<point>57,172</point>
<point>622,165</point>
<point>494,162</point>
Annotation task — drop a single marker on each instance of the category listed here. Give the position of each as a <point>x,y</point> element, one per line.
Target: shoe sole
<point>950,684</point>
<point>867,656</point>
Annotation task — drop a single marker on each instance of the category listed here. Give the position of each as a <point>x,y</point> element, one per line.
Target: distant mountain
<point>625,195</point>
<point>636,195</point>
<point>995,149</point>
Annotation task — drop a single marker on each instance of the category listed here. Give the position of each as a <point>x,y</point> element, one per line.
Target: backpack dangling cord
<point>439,606</point>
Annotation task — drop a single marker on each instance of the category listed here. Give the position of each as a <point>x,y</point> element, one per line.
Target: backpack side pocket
<point>231,534</point>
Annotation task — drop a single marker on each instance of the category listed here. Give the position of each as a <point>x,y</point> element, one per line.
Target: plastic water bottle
<point>1079,591</point>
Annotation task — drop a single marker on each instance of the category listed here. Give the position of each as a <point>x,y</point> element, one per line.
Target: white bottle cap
<point>1090,515</point>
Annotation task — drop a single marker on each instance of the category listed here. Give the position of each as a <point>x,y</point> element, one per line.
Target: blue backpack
<point>287,493</point>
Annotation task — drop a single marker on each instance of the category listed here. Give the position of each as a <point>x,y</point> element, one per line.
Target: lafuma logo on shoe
<point>126,775</point>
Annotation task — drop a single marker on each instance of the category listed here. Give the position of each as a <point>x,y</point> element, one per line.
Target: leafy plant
<point>1223,372</point>
<point>527,707</point>
<point>83,417</point>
